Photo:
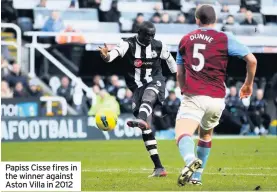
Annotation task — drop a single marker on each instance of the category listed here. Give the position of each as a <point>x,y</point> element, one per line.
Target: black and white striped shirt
<point>143,63</point>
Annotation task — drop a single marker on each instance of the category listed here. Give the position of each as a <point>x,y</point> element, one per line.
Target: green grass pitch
<point>234,164</point>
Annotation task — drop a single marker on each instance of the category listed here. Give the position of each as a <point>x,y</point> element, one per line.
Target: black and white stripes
<point>150,142</point>
<point>145,107</point>
<point>143,75</point>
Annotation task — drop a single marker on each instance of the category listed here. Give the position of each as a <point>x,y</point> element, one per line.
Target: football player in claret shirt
<point>201,70</point>
<point>141,61</point>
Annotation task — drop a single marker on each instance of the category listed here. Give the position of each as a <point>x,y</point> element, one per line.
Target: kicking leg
<point>146,108</point>
<point>184,131</point>
<point>203,151</point>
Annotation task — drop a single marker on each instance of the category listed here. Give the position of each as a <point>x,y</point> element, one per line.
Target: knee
<point>149,96</point>
<point>187,130</point>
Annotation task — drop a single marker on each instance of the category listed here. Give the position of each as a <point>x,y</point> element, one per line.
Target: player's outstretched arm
<point>106,55</point>
<point>119,50</point>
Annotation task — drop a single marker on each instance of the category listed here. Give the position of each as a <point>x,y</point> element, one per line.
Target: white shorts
<point>203,109</point>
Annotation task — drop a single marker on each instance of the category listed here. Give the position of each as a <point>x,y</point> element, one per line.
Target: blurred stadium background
<point>53,80</point>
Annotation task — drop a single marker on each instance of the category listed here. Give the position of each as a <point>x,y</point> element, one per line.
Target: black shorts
<point>157,86</point>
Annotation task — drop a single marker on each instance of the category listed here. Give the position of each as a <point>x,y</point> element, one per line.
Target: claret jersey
<point>204,54</point>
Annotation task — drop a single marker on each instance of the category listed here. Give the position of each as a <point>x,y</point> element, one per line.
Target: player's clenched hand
<point>104,51</point>
<point>245,91</point>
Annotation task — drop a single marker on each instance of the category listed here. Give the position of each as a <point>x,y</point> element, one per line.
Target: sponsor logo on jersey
<point>138,63</point>
<point>147,63</point>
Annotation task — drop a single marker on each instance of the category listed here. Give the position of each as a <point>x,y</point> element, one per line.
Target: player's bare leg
<point>203,151</point>
<point>143,122</point>
<point>184,131</point>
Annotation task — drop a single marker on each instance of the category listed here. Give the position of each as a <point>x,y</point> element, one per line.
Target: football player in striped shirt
<point>141,61</point>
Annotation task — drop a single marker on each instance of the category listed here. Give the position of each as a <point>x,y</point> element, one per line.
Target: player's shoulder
<point>130,40</point>
<point>157,43</point>
<point>220,36</point>
<point>228,34</point>
<point>133,38</point>
<point>187,36</point>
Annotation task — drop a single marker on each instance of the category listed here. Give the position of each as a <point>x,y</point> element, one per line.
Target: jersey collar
<point>141,44</point>
<point>208,28</point>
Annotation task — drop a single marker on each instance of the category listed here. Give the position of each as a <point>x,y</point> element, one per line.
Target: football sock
<point>145,110</point>
<point>203,151</point>
<point>151,146</point>
<point>186,148</point>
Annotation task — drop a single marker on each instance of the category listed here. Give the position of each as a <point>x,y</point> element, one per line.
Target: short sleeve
<point>122,48</point>
<point>179,59</point>
<point>165,53</point>
<point>236,48</point>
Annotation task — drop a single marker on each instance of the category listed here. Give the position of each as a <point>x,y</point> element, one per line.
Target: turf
<point>234,164</point>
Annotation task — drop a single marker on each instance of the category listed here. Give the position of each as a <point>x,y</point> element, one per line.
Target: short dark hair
<point>146,25</point>
<point>206,14</point>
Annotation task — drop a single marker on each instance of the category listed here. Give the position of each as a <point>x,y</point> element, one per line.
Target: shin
<point>203,150</point>
<point>184,131</point>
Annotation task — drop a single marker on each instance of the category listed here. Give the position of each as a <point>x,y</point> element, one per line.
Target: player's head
<point>205,15</point>
<point>146,33</point>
